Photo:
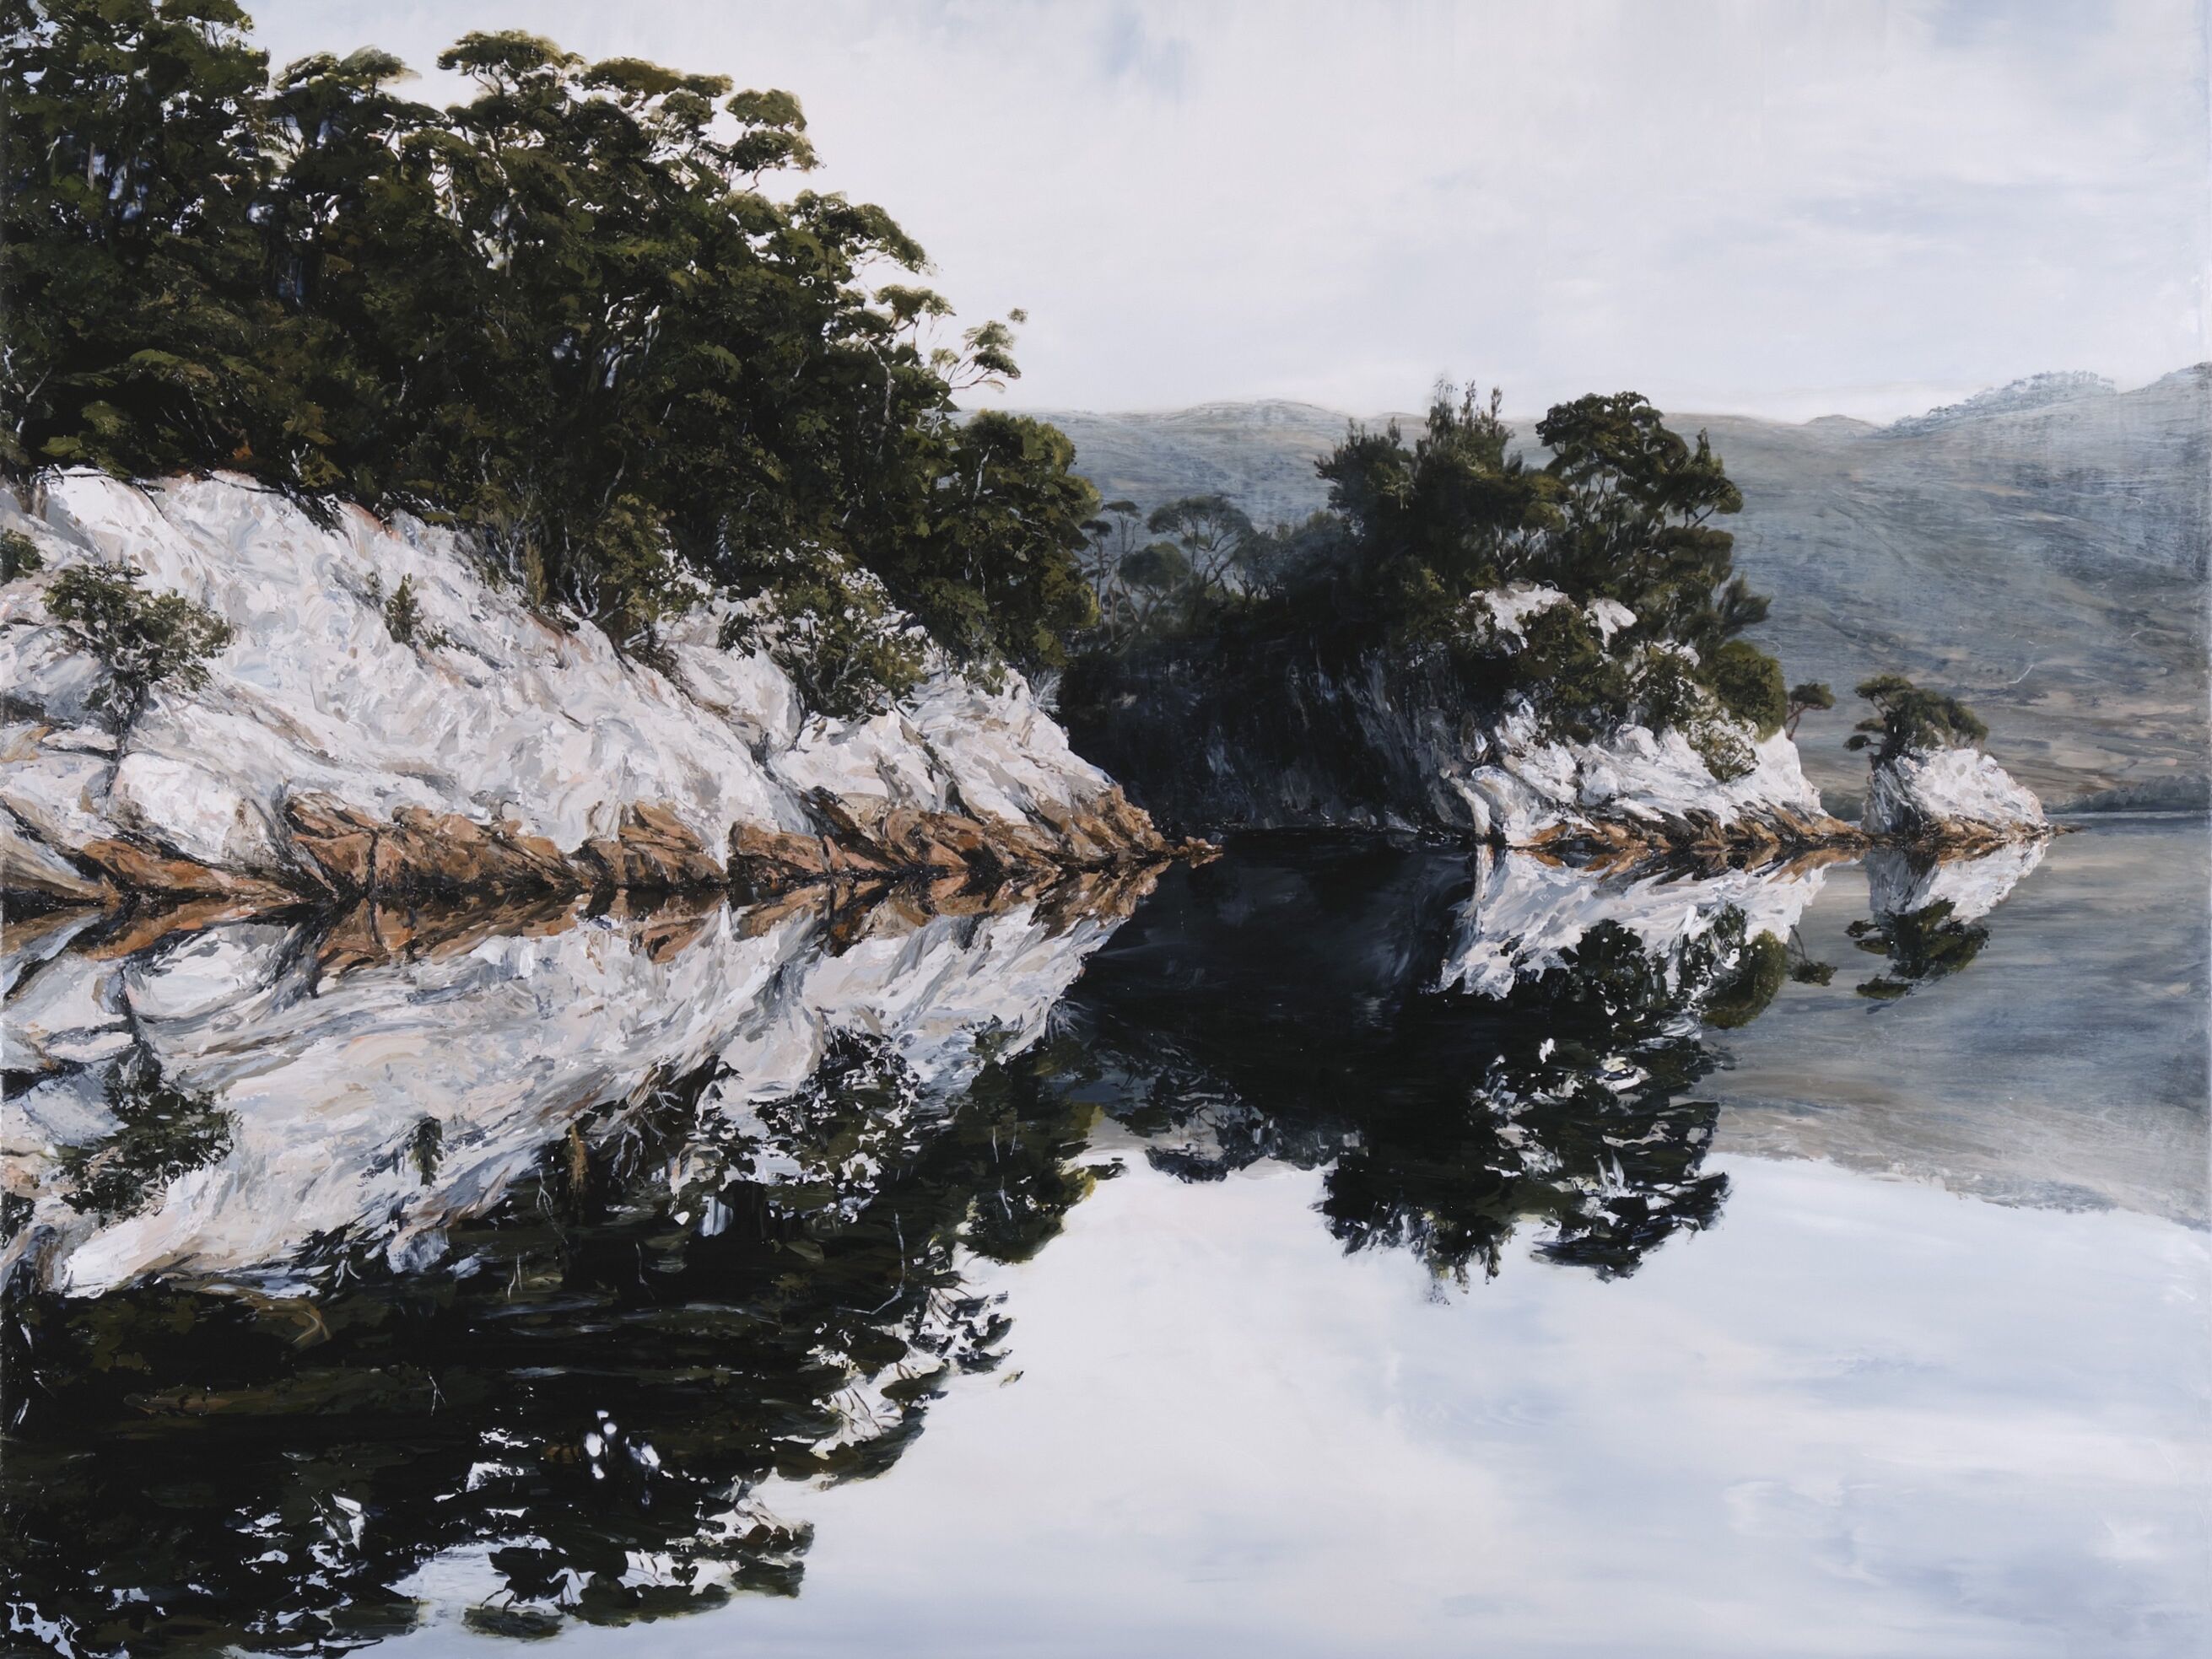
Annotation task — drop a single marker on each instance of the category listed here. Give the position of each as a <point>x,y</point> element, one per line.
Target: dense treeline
<point>575,315</point>
<point>1595,587</point>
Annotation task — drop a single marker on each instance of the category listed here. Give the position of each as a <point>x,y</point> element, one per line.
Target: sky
<point>1865,207</point>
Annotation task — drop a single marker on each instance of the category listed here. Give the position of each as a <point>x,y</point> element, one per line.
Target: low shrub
<point>144,639</point>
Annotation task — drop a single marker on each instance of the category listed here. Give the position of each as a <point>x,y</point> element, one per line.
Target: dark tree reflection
<point>1926,915</point>
<point>1285,1005</point>
<point>683,1303</point>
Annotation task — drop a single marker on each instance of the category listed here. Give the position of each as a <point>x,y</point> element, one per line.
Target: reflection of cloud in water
<point>1858,1418</point>
<point>673,1215</point>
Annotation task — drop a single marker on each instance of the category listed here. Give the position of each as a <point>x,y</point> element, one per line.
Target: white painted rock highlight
<point>1521,788</point>
<point>492,713</point>
<point>1958,793</point>
<point>1526,914</point>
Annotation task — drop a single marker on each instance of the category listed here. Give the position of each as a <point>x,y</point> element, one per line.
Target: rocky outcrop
<point>1957,799</point>
<point>1398,747</point>
<point>492,751</point>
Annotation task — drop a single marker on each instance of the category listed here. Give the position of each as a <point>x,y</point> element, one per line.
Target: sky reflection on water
<point>1858,1417</point>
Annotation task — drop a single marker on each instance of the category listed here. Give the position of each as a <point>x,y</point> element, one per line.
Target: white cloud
<point>1773,207</point>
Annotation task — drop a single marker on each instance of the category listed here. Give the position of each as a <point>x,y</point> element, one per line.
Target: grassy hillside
<point>2040,552</point>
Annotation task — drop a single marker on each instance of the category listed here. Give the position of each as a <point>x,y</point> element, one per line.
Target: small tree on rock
<point>1802,700</point>
<point>1908,719</point>
<point>145,638</point>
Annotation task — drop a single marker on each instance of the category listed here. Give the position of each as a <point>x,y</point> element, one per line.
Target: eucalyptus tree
<point>587,315</point>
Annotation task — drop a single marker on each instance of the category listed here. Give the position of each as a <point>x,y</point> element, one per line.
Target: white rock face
<point>1951,791</point>
<point>1523,787</point>
<point>1398,747</point>
<point>491,713</point>
<point>1512,605</point>
<point>1526,914</point>
<point>328,1078</point>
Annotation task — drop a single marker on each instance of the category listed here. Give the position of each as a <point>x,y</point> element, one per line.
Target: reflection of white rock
<point>1526,914</point>
<point>1896,886</point>
<point>69,1013</point>
<point>501,1045</point>
<point>491,712</point>
<point>1521,788</point>
<point>1954,792</point>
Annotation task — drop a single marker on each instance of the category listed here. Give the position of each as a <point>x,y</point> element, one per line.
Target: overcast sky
<point>1857,207</point>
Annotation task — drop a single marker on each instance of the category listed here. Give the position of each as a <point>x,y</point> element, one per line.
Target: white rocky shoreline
<point>497,753</point>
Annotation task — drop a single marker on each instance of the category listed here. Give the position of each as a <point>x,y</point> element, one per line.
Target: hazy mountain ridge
<point>2036,392</point>
<point>2040,549</point>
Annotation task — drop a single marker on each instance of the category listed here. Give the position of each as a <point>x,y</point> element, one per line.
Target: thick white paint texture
<point>327,1078</point>
<point>1962,789</point>
<point>505,716</point>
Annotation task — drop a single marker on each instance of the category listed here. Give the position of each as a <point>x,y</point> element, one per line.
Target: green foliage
<point>833,629</point>
<point>1150,581</point>
<point>402,612</point>
<point>1805,697</point>
<point>1910,721</point>
<point>140,337</point>
<point>1213,535</point>
<point>1758,975</point>
<point>1922,945</point>
<point>145,640</point>
<point>1207,559</point>
<point>162,1132</point>
<point>1748,683</point>
<point>995,571</point>
<point>19,555</point>
<point>1430,523</point>
<point>1421,534</point>
<point>573,314</point>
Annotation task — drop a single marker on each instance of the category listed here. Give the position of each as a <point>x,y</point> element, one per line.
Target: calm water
<point>1337,1250</point>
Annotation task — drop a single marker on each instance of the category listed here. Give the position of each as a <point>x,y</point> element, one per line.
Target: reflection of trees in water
<point>1285,1011</point>
<point>585,1402</point>
<point>699,1291</point>
<point>1922,945</point>
<point>1925,914</point>
<point>161,1131</point>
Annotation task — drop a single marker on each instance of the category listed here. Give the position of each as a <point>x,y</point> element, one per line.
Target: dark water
<point>1341,1250</point>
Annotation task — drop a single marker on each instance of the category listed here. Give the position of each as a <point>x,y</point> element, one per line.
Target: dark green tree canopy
<point>1907,719</point>
<point>582,315</point>
<point>1805,697</point>
<point>1422,533</point>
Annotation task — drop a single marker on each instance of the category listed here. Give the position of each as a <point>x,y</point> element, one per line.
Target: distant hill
<point>2039,550</point>
<point>1260,455</point>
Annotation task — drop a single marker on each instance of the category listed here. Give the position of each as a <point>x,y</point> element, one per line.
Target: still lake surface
<point>1337,1249</point>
